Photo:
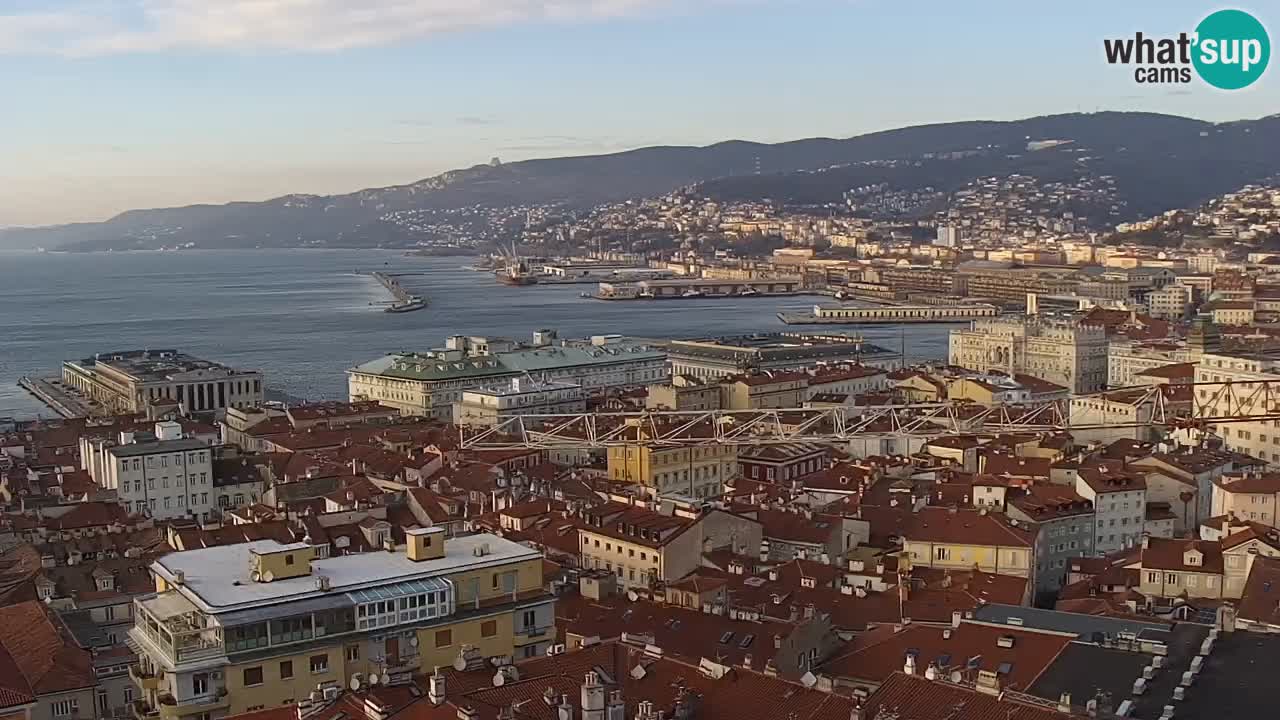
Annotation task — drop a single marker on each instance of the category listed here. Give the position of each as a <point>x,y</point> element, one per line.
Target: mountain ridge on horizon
<point>358,218</point>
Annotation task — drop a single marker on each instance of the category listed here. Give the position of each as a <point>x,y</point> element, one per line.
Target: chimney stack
<point>435,688</point>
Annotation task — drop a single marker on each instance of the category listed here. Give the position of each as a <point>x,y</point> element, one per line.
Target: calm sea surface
<point>304,316</point>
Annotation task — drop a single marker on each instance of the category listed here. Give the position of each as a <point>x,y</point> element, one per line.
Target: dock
<point>700,288</point>
<point>404,301</point>
<point>60,399</point>
<point>893,314</point>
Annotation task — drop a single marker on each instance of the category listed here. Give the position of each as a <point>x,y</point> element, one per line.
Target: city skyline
<point>136,105</point>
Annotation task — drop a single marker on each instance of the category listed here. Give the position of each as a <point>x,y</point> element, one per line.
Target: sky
<point>109,105</point>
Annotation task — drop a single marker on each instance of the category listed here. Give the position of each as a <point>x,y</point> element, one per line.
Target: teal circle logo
<point>1232,49</point>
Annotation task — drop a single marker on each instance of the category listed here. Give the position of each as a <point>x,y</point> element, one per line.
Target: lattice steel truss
<point>1211,404</point>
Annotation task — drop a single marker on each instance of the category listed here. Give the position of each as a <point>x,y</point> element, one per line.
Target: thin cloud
<point>100,27</point>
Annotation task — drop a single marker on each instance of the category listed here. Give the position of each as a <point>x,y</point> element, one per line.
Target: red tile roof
<point>912,697</point>
<point>1030,654</point>
<point>38,655</point>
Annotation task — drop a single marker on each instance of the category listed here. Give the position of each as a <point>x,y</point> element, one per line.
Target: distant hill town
<point>1156,162</point>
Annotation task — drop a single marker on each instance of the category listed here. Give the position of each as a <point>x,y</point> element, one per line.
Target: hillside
<point>1160,161</point>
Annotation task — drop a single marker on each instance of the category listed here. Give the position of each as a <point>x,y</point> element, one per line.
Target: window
<point>444,638</point>
<point>1153,577</point>
<point>488,628</point>
<point>941,553</point>
<point>128,695</point>
<point>65,708</point>
<point>286,669</point>
<point>252,676</point>
<point>288,559</point>
<point>104,704</point>
<point>200,683</point>
<point>528,619</point>
<point>319,663</point>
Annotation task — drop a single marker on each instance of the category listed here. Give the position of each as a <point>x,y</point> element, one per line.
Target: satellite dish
<point>499,679</point>
<point>355,681</point>
<point>373,679</point>
<point>268,576</point>
<point>255,576</point>
<point>414,641</point>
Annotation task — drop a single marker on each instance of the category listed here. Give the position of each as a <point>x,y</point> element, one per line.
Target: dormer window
<point>1192,557</point>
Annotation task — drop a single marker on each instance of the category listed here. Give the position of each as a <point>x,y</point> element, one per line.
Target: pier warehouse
<point>126,381</point>
<point>715,358</point>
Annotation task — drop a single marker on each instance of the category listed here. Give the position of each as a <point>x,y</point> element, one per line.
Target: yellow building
<point>697,472</point>
<point>967,539</point>
<point>764,391</point>
<point>257,625</point>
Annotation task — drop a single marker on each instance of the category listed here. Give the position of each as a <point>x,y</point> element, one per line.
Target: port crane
<point>1211,404</point>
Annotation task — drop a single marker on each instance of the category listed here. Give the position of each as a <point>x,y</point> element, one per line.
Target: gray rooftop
<point>217,579</point>
<point>1086,627</point>
<point>156,447</point>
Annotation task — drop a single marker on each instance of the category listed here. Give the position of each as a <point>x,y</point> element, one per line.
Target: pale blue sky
<point>107,105</point>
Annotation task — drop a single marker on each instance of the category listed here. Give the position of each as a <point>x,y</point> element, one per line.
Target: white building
<point>1119,505</point>
<point>430,383</point>
<point>1171,302</point>
<point>1126,359</point>
<point>169,476</point>
<point>521,396</point>
<point>1243,396</point>
<point>1067,353</point>
<point>948,236</point>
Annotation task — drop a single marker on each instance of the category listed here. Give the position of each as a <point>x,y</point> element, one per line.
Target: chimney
<point>909,667</point>
<point>467,712</point>
<point>593,698</point>
<point>956,615</point>
<point>1064,703</point>
<point>435,688</point>
<point>564,711</point>
<point>616,709</point>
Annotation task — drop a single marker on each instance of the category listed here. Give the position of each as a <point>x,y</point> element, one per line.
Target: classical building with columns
<point>130,380</point>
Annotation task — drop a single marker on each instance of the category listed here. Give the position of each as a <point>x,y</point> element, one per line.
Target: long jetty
<point>393,286</point>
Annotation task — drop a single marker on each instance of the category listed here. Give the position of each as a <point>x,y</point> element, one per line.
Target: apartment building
<point>641,545</point>
<point>1171,302</point>
<point>129,381</point>
<point>1119,506</point>
<point>1248,495</point>
<point>1064,524</point>
<point>764,390</point>
<point>1127,358</point>
<point>847,380</point>
<point>168,477</point>
<point>1067,353</point>
<point>683,393</point>
<point>1230,384</point>
<point>965,539</point>
<point>258,625</point>
<point>694,472</point>
<point>46,675</point>
<point>494,404</point>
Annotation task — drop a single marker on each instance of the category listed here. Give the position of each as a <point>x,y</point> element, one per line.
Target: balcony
<point>208,702</point>
<point>143,679</point>
<point>142,710</point>
<point>529,635</point>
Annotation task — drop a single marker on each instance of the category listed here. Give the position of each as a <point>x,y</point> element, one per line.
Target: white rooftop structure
<point>216,580</point>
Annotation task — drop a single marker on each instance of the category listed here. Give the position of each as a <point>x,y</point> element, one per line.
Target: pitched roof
<point>1260,602</point>
<point>1030,652</point>
<point>38,655</point>
<point>968,527</point>
<point>1170,554</point>
<point>911,696</point>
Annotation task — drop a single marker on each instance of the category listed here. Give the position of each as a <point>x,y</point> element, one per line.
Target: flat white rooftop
<point>217,579</point>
